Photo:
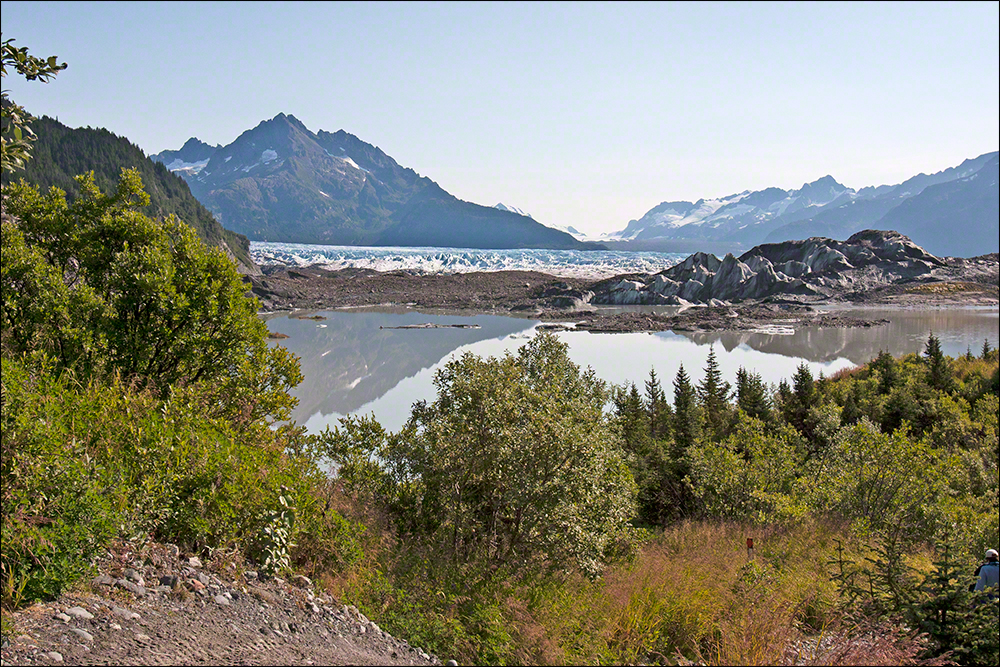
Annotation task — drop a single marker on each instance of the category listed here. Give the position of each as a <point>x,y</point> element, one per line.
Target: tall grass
<point>693,593</point>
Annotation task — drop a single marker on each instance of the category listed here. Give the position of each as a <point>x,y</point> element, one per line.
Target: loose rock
<point>79,612</point>
<point>83,634</point>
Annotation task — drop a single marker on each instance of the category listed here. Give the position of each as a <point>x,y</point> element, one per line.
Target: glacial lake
<point>359,362</point>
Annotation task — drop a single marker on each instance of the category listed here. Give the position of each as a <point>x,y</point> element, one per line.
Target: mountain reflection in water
<point>958,328</point>
<point>361,362</point>
<point>353,358</point>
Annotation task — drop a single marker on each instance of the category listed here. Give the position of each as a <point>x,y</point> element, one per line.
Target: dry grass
<point>693,594</point>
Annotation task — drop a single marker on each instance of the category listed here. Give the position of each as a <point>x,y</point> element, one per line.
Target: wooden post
<point>749,548</point>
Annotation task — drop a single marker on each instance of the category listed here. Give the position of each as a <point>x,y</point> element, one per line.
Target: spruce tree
<point>687,428</point>
<point>660,414</point>
<point>851,411</point>
<point>888,370</point>
<point>634,420</point>
<point>751,395</point>
<point>797,402</point>
<point>986,349</point>
<point>938,371</point>
<point>958,620</point>
<point>714,394</point>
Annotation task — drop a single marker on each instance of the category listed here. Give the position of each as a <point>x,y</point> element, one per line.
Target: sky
<point>582,114</point>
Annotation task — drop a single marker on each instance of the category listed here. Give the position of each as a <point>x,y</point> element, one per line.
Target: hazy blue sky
<point>582,114</point>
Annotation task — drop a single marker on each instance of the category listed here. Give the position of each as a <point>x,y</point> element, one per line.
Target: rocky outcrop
<point>815,267</point>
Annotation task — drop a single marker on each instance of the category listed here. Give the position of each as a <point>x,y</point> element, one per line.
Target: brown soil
<point>545,297</point>
<point>193,614</point>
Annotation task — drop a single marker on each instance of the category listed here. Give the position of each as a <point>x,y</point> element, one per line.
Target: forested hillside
<point>60,153</point>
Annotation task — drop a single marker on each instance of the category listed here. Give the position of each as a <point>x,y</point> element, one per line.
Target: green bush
<point>514,464</point>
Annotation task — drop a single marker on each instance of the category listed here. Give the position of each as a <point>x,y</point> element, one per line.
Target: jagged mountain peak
<point>196,144</point>
<point>279,181</point>
<point>824,181</point>
<point>827,208</point>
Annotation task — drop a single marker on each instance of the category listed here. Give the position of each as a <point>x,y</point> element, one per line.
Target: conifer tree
<point>958,620</point>
<point>888,371</point>
<point>660,414</point>
<point>714,394</point>
<point>986,349</point>
<point>687,428</point>
<point>751,395</point>
<point>634,419</point>
<point>938,371</point>
<point>851,411</point>
<point>798,401</point>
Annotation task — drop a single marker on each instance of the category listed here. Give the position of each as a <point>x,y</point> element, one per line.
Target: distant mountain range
<point>954,212</point>
<point>282,182</point>
<point>60,153</point>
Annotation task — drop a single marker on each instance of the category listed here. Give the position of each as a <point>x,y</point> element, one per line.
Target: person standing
<point>989,573</point>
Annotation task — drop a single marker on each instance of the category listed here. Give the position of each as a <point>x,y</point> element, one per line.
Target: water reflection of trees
<point>906,332</point>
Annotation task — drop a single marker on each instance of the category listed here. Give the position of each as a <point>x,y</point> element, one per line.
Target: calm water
<point>354,363</point>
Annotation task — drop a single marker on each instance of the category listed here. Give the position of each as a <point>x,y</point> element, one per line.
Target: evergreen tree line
<point>60,153</point>
<point>764,453</point>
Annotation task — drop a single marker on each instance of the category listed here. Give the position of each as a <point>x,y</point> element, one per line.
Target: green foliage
<point>660,412</point>
<point>752,476</point>
<point>714,394</point>
<point>687,416</point>
<point>103,289</point>
<point>645,427</point>
<point>879,481</point>
<point>85,461</point>
<point>751,395</point>
<point>140,397</point>
<point>60,153</point>
<point>272,548</point>
<point>964,624</point>
<point>513,464</point>
<point>16,137</point>
<point>938,371</point>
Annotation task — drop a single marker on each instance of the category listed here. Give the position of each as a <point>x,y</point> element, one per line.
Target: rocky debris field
<point>153,605</point>
<point>897,273</point>
<point>816,268</point>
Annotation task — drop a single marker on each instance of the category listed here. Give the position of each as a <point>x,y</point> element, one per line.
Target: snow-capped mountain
<point>189,160</point>
<point>569,229</point>
<point>821,208</point>
<point>724,216</point>
<point>512,209</point>
<point>282,182</point>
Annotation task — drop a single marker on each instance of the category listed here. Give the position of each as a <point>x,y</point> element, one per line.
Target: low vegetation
<point>528,514</point>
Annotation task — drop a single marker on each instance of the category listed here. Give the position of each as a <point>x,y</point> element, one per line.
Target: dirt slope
<point>152,605</point>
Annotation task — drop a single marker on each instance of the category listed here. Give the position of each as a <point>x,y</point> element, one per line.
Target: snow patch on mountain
<point>513,209</point>
<point>190,168</point>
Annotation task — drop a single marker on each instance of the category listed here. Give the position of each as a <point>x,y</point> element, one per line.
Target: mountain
<point>813,268</point>
<point>827,208</point>
<point>281,182</point>
<point>60,153</point>
<point>740,218</point>
<point>512,209</point>
<point>190,159</point>
<point>957,218</point>
<point>569,229</point>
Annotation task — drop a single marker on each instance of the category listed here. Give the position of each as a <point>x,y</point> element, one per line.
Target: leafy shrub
<point>513,464</point>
